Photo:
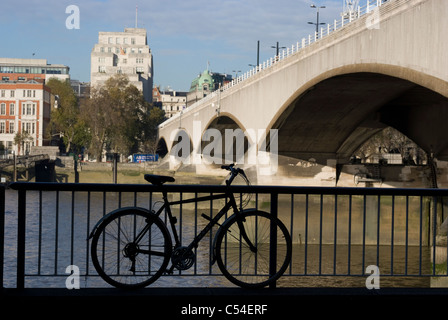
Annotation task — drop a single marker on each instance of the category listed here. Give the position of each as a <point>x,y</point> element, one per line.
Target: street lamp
<point>317,24</point>
<point>258,56</point>
<point>278,48</point>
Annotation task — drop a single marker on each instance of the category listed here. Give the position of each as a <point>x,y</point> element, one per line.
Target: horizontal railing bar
<point>104,187</point>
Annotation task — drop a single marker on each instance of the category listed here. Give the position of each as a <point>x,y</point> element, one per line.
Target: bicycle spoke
<point>253,268</point>
<point>120,260</point>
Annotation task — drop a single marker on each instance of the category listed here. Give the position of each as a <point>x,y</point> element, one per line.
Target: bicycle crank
<point>183,258</point>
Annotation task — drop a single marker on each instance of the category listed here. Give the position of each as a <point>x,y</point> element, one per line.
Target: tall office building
<point>123,52</point>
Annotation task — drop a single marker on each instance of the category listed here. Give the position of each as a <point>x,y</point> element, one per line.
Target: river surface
<point>58,224</point>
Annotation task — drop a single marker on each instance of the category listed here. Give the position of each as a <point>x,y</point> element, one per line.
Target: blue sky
<point>183,35</point>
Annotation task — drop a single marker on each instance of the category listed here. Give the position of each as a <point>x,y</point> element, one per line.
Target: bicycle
<point>132,247</point>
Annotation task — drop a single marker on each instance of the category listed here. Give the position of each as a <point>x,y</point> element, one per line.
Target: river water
<point>56,238</point>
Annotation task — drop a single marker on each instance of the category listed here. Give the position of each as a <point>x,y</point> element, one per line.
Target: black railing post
<point>273,239</point>
<point>21,221</point>
<point>2,232</point>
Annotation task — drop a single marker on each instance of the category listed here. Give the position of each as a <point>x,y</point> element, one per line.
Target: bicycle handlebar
<point>234,172</point>
<point>229,167</point>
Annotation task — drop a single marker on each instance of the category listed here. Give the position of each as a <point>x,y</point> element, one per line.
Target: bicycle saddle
<point>158,180</point>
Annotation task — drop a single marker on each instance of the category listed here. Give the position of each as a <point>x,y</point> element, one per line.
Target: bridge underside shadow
<point>224,141</point>
<point>332,119</point>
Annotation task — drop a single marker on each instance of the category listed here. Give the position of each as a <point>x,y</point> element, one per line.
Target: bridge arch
<point>333,114</point>
<point>162,147</point>
<point>222,134</point>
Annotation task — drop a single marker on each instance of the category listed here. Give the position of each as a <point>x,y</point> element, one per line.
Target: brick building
<point>24,108</point>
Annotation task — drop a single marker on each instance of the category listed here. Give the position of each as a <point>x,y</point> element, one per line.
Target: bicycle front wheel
<point>257,264</point>
<point>131,248</point>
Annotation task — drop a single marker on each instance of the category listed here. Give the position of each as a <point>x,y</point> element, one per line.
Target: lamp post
<point>258,56</point>
<point>278,48</point>
<point>236,73</point>
<point>317,24</point>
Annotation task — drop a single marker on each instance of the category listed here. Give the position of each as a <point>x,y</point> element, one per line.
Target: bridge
<point>323,97</point>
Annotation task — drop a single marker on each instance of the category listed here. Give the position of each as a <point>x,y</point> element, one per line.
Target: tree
<point>150,130</point>
<point>94,114</point>
<point>65,119</point>
<point>21,138</point>
<point>388,141</point>
<point>119,118</point>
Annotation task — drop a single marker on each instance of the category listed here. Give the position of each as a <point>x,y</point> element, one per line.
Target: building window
<point>3,109</point>
<point>12,107</point>
<point>12,93</point>
<point>102,69</point>
<point>109,49</point>
<point>139,69</point>
<point>110,40</point>
<point>28,109</point>
<point>2,127</point>
<point>139,60</point>
<point>101,59</point>
<point>132,40</point>
<point>3,93</point>
<point>28,127</point>
<point>11,127</point>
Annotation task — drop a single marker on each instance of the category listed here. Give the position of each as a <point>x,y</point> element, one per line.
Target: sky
<point>185,37</point>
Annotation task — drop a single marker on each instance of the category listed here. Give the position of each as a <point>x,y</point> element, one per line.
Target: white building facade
<point>123,53</point>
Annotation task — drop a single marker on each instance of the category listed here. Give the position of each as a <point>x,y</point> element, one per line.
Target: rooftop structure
<point>13,69</point>
<point>123,53</point>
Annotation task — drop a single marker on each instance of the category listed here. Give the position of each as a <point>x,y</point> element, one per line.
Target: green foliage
<point>119,118</point>
<point>65,119</point>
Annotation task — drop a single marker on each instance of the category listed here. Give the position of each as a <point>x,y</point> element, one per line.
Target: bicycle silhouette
<point>132,247</point>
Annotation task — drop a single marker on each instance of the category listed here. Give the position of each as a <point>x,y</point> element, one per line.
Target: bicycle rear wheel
<point>259,267</point>
<point>124,261</point>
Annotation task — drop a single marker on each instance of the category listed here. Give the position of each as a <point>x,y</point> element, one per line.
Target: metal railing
<point>337,25</point>
<point>337,232</point>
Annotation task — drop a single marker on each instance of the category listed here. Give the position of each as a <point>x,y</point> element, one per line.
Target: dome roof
<point>205,79</point>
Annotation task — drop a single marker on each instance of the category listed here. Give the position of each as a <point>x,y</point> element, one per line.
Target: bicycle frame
<point>167,206</point>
